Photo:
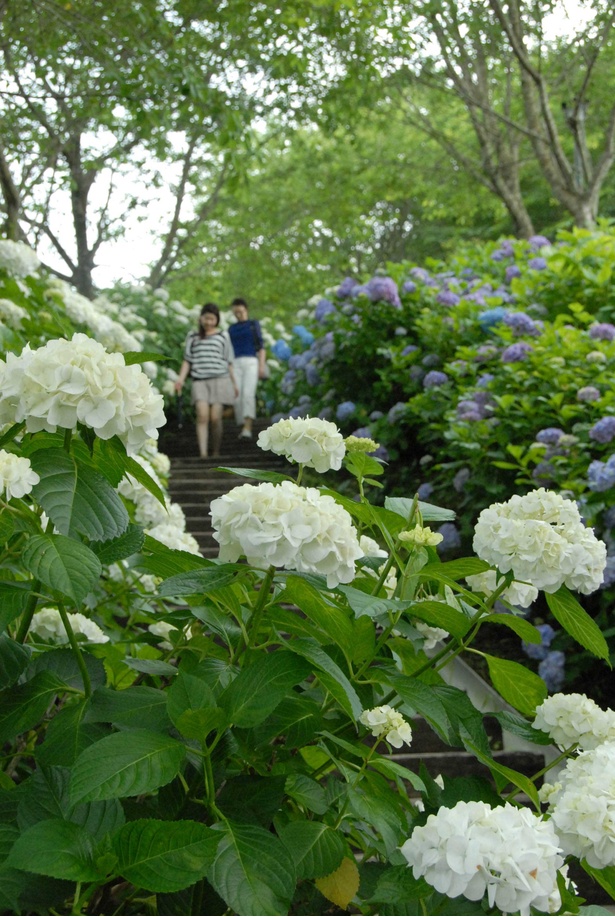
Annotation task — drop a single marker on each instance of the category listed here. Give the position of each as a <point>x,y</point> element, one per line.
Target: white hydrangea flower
<point>66,382</point>
<point>48,625</point>
<point>420,535</point>
<point>472,849</point>
<point>542,539</point>
<point>582,806</point>
<point>175,537</point>
<point>16,475</point>
<point>432,635</point>
<point>12,314</point>
<point>163,629</point>
<point>520,594</point>
<point>287,526</point>
<point>309,441</point>
<point>386,723</point>
<point>575,719</point>
<point>18,259</point>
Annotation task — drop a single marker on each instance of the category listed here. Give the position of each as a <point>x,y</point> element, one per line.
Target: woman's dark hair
<point>209,307</point>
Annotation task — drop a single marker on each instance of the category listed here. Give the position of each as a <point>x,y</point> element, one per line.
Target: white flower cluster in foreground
<point>519,594</point>
<point>387,723</point>
<point>309,441</point>
<point>507,852</point>
<point>48,625</point>
<point>571,719</point>
<point>111,334</point>
<point>287,526</point>
<point>542,539</point>
<point>16,475</point>
<point>18,259</point>
<point>582,806</point>
<point>66,382</point>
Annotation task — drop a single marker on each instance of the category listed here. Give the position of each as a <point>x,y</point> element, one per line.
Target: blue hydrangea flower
<point>522,323</point>
<point>469,410</point>
<point>287,383</point>
<point>447,298</point>
<point>451,537</point>
<point>552,670</point>
<point>424,491</point>
<point>461,479</point>
<point>601,475</point>
<point>497,255</point>
<point>385,289</point>
<point>323,308</point>
<point>540,650</point>
<point>549,435</point>
<point>345,410</point>
<point>416,373</point>
<point>431,359</point>
<point>306,337</point>
<point>608,577</point>
<point>484,380</point>
<point>602,331</point>
<point>421,273</point>
<point>409,287</point>
<point>491,317</point>
<point>506,246</point>
<point>326,413</point>
<point>603,431</point>
<point>376,415</point>
<point>281,350</point>
<point>408,349</point>
<point>515,353</point>
<point>401,332</point>
<point>544,473</point>
<point>537,264</point>
<point>312,375</point>
<point>589,393</point>
<point>434,379</point>
<point>299,410</point>
<point>298,361</point>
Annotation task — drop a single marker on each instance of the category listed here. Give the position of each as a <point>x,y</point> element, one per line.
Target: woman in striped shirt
<point>208,360</point>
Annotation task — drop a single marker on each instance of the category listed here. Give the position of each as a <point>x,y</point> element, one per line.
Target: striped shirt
<point>210,356</point>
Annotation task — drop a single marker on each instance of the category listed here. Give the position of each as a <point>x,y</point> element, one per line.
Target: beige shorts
<point>218,390</point>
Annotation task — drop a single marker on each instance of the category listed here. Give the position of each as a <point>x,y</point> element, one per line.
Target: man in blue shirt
<point>249,364</point>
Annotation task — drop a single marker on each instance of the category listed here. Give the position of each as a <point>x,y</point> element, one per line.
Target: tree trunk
<point>81,183</point>
<point>12,202</point>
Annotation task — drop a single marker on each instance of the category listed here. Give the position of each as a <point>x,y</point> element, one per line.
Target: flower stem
<point>87,685</point>
<point>257,614</point>
<point>28,614</point>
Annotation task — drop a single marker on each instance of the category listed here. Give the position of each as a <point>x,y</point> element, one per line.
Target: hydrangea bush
<point>185,735</point>
<point>492,375</point>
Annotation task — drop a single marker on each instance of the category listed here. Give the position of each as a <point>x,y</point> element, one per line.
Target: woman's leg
<point>216,428</point>
<point>202,424</point>
<point>247,398</point>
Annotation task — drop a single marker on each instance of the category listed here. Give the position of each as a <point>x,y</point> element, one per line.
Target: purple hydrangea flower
<point>326,413</point>
<point>287,383</point>
<point>416,373</point>
<point>408,349</point>
<point>485,352</point>
<point>602,331</point>
<point>522,323</point>
<point>299,410</point>
<point>491,317</point>
<point>323,308</point>
<point>424,491</point>
<point>434,379</point>
<point>346,287</point>
<point>609,517</point>
<point>451,537</point>
<point>421,273</point>
<point>461,479</point>
<point>549,435</point>
<point>376,415</point>
<point>603,431</point>
<point>484,380</point>
<point>540,650</point>
<point>298,361</point>
<point>409,287</point>
<point>506,246</point>
<point>538,242</point>
<point>498,255</point>
<point>469,411</point>
<point>385,289</point>
<point>552,671</point>
<point>281,351</point>
<point>544,473</point>
<point>431,359</point>
<point>345,410</point>
<point>515,353</point>
<point>447,298</point>
<point>513,270</point>
<point>537,264</point>
<point>601,475</point>
<point>312,375</point>
<point>608,576</point>
<point>589,393</point>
